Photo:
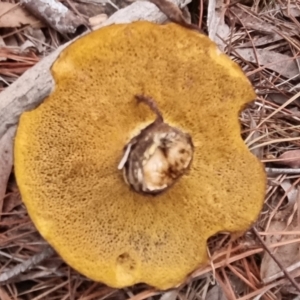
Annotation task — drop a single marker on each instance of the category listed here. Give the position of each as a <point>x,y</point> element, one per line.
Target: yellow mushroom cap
<point>68,149</point>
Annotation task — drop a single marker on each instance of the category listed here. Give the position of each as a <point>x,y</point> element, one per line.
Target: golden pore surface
<point>68,149</point>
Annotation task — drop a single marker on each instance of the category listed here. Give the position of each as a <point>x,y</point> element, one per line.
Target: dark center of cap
<point>156,158</point>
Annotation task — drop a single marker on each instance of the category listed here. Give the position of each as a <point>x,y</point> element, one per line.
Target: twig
<point>286,273</point>
<point>282,171</point>
<point>200,15</point>
<point>26,265</point>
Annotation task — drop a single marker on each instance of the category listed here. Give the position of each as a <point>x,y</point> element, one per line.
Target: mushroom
<point>129,191</point>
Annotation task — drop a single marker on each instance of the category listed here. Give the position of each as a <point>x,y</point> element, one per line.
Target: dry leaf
<point>11,201</point>
<point>4,295</point>
<point>289,158</point>
<point>261,41</point>
<point>216,293</point>
<point>278,98</point>
<point>11,41</point>
<point>218,30</point>
<point>2,45</point>
<point>6,160</point>
<point>288,254</point>
<point>170,295</point>
<point>27,45</point>
<point>174,13</point>
<point>186,14</point>
<point>258,152</point>
<point>280,63</point>
<point>37,37</point>
<point>12,15</point>
<point>97,20</point>
<point>290,190</point>
<point>252,21</point>
<point>291,10</point>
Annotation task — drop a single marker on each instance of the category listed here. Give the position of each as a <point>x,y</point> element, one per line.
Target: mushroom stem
<point>152,105</point>
<point>156,158</point>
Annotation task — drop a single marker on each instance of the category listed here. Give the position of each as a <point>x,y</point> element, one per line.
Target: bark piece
<point>55,14</point>
<point>218,30</point>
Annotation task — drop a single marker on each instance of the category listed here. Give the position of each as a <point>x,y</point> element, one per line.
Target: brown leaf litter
<point>239,269</point>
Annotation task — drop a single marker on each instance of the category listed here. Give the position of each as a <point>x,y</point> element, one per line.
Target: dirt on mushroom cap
<point>68,149</point>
